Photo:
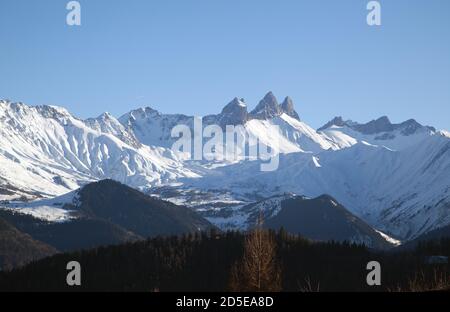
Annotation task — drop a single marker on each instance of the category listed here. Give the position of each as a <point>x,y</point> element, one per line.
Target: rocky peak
<point>234,113</point>
<point>382,124</point>
<point>411,126</point>
<point>336,121</point>
<point>105,116</point>
<point>138,114</point>
<point>107,123</point>
<point>267,108</point>
<point>288,108</point>
<point>55,112</point>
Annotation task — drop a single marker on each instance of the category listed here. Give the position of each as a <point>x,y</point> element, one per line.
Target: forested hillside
<point>208,262</point>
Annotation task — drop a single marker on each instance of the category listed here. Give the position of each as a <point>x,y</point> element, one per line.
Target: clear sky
<point>194,56</point>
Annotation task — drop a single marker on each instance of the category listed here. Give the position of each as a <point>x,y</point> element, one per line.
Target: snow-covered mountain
<point>393,176</point>
<point>323,218</point>
<point>377,132</point>
<point>106,123</point>
<point>45,151</point>
<point>404,192</point>
<point>98,214</point>
<point>154,128</point>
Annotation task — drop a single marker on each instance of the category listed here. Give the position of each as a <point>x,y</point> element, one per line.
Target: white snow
<point>316,162</point>
<point>395,140</point>
<point>404,192</point>
<point>398,183</point>
<point>445,133</point>
<point>46,213</point>
<point>389,239</point>
<point>47,151</point>
<point>51,210</point>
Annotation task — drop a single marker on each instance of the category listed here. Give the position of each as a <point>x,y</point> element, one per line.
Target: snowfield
<point>393,176</point>
<point>58,209</point>
<point>49,152</point>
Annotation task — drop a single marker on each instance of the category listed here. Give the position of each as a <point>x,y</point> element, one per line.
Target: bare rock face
<point>267,108</point>
<point>288,108</point>
<point>381,125</point>
<point>106,123</point>
<point>234,113</point>
<point>336,121</point>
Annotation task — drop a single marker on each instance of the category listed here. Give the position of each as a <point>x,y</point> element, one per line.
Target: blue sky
<point>194,56</point>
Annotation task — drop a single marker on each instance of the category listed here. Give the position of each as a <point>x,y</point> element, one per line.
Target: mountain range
<point>99,214</point>
<point>110,213</point>
<point>391,177</point>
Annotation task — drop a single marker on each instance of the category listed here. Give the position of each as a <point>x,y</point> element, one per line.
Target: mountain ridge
<point>46,152</point>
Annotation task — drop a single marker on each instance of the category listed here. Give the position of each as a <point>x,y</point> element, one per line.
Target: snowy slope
<point>393,176</point>
<point>377,132</point>
<point>445,133</point>
<point>106,123</point>
<point>404,193</point>
<point>58,209</point>
<point>151,127</point>
<point>48,151</point>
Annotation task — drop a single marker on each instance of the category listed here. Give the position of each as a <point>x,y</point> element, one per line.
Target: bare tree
<point>258,270</point>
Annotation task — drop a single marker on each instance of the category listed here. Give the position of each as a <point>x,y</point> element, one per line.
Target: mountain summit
<point>288,108</point>
<point>380,125</point>
<point>234,113</point>
<point>267,108</point>
<point>392,176</point>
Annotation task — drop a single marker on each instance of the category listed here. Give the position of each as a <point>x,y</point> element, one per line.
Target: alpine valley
<point>68,183</point>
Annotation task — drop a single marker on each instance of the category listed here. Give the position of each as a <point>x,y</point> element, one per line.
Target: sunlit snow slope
<point>393,176</point>
<point>46,151</point>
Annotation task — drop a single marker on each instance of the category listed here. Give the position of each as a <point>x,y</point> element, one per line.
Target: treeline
<point>226,261</point>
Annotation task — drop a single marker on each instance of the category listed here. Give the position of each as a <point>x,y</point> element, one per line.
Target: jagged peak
<point>147,110</point>
<point>56,108</point>
<point>52,111</point>
<point>288,108</point>
<point>139,113</point>
<point>270,95</point>
<point>382,124</point>
<point>16,105</point>
<point>336,121</point>
<point>270,99</point>
<point>234,113</point>
<point>410,122</point>
<point>384,119</point>
<point>288,102</point>
<point>107,123</point>
<point>379,125</point>
<point>105,115</point>
<point>4,101</point>
<point>19,109</point>
<point>239,103</point>
<point>267,108</point>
